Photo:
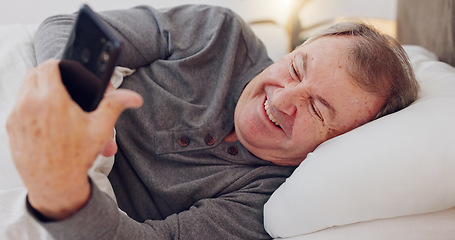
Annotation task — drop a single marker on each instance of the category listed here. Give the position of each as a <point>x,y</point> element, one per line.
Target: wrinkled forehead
<point>329,50</point>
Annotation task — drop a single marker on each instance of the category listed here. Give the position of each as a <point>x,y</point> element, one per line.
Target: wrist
<point>59,206</point>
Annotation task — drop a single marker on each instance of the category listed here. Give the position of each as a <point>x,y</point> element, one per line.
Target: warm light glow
<point>283,7</point>
<point>286,4</point>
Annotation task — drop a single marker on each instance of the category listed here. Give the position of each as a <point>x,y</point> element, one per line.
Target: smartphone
<point>89,59</point>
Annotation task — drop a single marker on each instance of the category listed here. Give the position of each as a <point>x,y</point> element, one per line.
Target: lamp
<point>309,16</point>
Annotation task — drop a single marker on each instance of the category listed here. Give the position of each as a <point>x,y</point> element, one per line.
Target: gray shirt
<point>174,175</point>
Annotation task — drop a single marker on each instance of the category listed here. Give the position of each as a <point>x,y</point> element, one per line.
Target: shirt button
<point>209,140</point>
<point>184,141</point>
<point>233,150</point>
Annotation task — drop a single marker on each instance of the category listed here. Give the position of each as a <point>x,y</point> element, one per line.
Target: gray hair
<point>378,64</point>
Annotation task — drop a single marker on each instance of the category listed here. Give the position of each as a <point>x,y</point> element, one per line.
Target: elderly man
<point>219,129</point>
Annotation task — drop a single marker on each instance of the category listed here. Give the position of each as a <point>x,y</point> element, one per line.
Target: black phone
<point>89,59</point>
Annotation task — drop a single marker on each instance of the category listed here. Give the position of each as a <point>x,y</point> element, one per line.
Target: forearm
<point>235,213</point>
<point>148,34</point>
<point>137,28</point>
<point>51,37</point>
<point>101,219</point>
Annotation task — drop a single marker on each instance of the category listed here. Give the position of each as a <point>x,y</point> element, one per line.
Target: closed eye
<point>294,72</point>
<point>315,111</point>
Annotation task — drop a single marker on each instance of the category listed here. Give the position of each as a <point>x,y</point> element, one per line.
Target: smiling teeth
<point>269,114</point>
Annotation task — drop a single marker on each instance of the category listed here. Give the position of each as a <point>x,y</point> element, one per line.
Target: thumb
<point>113,104</point>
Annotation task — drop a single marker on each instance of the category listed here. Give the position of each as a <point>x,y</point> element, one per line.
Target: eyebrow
<point>304,60</point>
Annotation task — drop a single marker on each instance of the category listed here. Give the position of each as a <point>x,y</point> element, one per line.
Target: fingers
<point>112,105</point>
<point>110,149</point>
<point>49,73</point>
<point>43,91</point>
<point>116,101</point>
<point>43,81</point>
<point>34,91</point>
<point>110,87</point>
<point>26,89</point>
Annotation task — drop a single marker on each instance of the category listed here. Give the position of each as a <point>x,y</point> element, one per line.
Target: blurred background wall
<point>34,11</point>
<point>281,24</point>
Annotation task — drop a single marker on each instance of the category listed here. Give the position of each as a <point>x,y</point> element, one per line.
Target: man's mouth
<point>269,114</point>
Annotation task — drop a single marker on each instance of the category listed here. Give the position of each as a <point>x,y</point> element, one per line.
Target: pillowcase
<point>399,165</point>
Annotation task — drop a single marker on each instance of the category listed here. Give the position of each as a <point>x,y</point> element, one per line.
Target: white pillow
<point>400,165</point>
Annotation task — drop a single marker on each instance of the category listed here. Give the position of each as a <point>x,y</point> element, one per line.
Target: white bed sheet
<point>430,226</point>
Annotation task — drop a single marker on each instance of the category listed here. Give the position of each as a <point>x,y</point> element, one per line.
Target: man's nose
<point>288,99</point>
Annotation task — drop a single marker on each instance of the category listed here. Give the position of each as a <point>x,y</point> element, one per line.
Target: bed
<point>389,179</point>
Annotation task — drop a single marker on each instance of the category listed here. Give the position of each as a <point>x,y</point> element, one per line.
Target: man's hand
<point>54,142</point>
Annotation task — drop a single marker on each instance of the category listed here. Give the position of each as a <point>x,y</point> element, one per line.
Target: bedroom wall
<point>25,11</point>
<point>318,14</point>
<point>274,36</point>
<point>33,11</point>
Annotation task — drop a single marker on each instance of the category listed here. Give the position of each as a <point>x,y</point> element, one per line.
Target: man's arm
<point>181,32</point>
<point>54,142</point>
<point>148,34</point>
<point>235,214</point>
<point>132,26</point>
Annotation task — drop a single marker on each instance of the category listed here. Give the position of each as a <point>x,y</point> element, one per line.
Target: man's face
<point>302,100</point>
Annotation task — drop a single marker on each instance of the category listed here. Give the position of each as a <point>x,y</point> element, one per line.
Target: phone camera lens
<point>103,61</point>
<point>105,56</point>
